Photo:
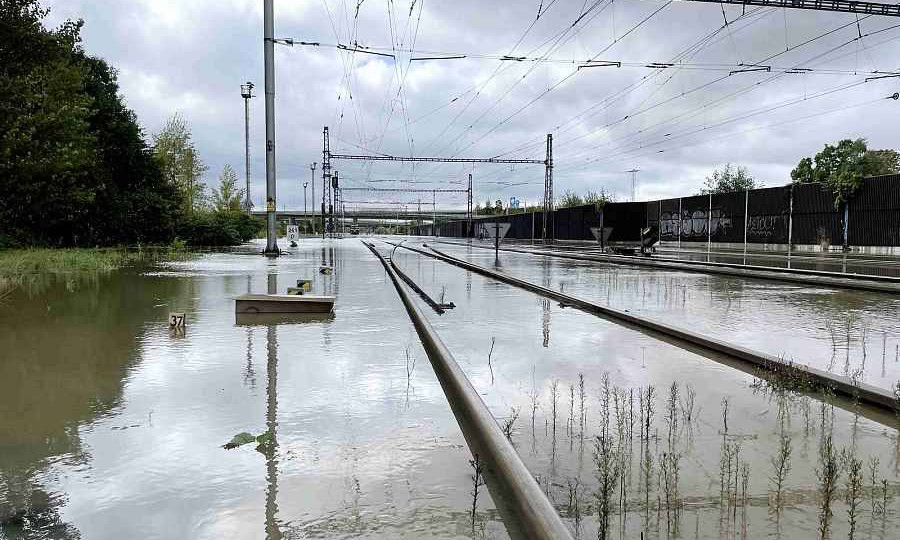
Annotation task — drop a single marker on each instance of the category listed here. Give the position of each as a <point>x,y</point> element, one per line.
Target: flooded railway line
<point>594,390</point>
<point>621,429</point>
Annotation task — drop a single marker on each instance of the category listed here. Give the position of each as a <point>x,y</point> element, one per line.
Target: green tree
<point>841,167</point>
<point>179,161</point>
<point>46,148</point>
<point>597,199</point>
<point>134,203</point>
<point>227,197</point>
<point>74,167</point>
<point>729,179</point>
<point>569,198</point>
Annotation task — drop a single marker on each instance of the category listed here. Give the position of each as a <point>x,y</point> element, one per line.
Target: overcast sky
<point>792,92</point>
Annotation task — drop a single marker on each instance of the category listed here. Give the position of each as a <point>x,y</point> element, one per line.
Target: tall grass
<point>18,267</point>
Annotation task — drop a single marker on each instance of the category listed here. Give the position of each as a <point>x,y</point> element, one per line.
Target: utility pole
<point>469,209</point>
<point>634,183</point>
<point>548,189</point>
<point>269,61</point>
<point>312,168</point>
<point>326,174</point>
<point>332,192</point>
<point>247,93</point>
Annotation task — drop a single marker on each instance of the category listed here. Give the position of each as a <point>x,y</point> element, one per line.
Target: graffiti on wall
<point>696,224</point>
<point>764,226</point>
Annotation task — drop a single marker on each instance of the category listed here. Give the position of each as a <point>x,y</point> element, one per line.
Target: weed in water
<point>535,397</point>
<point>854,488</point>
<point>490,353</point>
<point>873,486</point>
<point>827,474</point>
<point>672,416</point>
<point>554,400</point>
<point>781,464</point>
<point>581,395</point>
<point>510,423</point>
<point>687,406</point>
<point>477,482</point>
<point>607,475</point>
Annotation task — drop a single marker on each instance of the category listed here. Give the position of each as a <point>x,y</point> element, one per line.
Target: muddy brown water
<point>111,425</point>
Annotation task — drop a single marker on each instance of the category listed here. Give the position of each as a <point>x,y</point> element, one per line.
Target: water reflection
<point>270,449</point>
<point>67,343</point>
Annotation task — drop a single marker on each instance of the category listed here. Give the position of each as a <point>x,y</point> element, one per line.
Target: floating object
<point>303,286</point>
<point>293,244</point>
<point>282,303</point>
<point>327,270</point>
<point>176,320</point>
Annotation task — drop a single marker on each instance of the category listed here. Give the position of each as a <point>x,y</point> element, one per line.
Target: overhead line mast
<point>844,6</point>
<point>547,162</point>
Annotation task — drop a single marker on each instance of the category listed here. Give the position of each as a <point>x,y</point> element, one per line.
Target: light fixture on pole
<point>247,93</point>
<point>305,217</point>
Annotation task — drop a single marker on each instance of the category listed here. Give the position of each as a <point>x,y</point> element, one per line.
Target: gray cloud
<point>192,56</point>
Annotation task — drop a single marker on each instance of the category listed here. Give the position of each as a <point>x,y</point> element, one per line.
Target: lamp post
<point>312,168</point>
<point>247,93</point>
<point>306,217</point>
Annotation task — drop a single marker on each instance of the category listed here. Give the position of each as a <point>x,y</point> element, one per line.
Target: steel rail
<point>527,511</point>
<point>438,308</point>
<point>858,391</point>
<point>863,282</point>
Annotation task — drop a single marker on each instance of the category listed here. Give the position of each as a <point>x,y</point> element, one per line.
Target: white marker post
<point>293,234</point>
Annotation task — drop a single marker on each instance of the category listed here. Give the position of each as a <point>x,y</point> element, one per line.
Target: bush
<point>227,228</point>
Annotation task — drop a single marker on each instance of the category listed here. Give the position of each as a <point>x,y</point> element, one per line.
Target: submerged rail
<point>864,393</point>
<point>526,508</point>
<point>804,276</point>
<point>438,308</point>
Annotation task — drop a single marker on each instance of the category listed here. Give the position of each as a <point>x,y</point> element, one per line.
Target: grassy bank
<point>19,266</point>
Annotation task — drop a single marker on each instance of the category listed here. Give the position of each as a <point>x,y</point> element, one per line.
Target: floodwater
<point>112,425</point>
<point>519,350</point>
<point>852,263</point>
<point>847,332</point>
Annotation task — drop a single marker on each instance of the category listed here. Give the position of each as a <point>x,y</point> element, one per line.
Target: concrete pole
<point>269,60</point>
<point>247,95</point>
<point>434,211</point>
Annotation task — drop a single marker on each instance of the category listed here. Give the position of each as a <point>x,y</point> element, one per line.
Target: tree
<point>598,199</point>
<point>729,179</point>
<point>46,147</point>
<point>75,168</point>
<point>227,197</point>
<point>181,165</point>
<point>569,198</point>
<point>133,202</point>
<point>841,167</point>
